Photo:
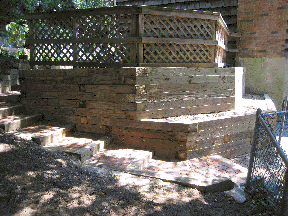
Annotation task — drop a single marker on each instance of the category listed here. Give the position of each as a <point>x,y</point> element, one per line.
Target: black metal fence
<point>267,173</point>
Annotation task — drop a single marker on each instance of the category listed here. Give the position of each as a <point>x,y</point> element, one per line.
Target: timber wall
<point>110,101</point>
<point>229,137</point>
<point>165,92</point>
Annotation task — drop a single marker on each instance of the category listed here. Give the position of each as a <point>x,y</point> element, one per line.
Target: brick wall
<point>263,27</point>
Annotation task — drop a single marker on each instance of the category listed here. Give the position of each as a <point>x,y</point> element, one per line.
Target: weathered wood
<point>126,45</point>
<point>183,111</point>
<point>151,134</point>
<point>188,79</point>
<point>120,89</point>
<point>224,150</point>
<point>218,140</point>
<point>184,102</point>
<point>111,105</point>
<point>178,41</point>
<point>157,126</point>
<point>226,122</point>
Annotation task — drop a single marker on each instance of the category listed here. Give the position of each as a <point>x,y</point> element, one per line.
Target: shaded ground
<point>34,181</point>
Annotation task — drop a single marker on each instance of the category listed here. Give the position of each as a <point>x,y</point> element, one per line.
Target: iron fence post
<point>285,194</point>
<point>253,148</point>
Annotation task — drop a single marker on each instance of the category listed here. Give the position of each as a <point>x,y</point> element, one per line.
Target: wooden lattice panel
<point>177,53</point>
<point>177,27</point>
<point>105,53</point>
<point>60,28</point>
<point>105,26</point>
<point>53,52</point>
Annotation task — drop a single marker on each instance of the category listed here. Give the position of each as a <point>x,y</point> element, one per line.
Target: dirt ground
<point>34,181</point>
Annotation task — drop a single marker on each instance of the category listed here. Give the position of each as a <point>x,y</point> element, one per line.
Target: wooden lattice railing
<point>127,36</point>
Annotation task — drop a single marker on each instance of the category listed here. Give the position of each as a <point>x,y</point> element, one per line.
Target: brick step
<point>7,109</point>
<point>45,132</point>
<point>11,96</point>
<point>82,148</point>
<point>12,123</point>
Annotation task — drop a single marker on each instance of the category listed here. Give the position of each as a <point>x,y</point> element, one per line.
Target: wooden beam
<point>235,34</point>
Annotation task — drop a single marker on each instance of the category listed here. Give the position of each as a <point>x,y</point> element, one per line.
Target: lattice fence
<point>127,36</point>
<point>177,53</point>
<point>177,27</point>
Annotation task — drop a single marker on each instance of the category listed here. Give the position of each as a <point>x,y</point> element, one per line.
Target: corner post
<point>253,148</point>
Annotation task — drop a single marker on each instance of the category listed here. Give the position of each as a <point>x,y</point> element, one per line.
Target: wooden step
<point>44,133</point>
<point>82,148</point>
<point>49,134</point>
<point>7,109</point>
<point>12,123</point>
<point>12,96</point>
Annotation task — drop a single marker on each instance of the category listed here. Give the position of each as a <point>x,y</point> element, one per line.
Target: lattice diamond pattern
<point>177,27</point>
<point>53,52</point>
<point>105,26</point>
<point>53,28</point>
<point>177,53</point>
<point>104,53</point>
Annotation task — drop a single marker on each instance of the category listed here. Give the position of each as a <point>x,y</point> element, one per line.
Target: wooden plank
<point>100,129</point>
<point>180,13</point>
<point>111,105</point>
<point>235,34</point>
<point>178,41</point>
<point>121,89</point>
<point>116,114</point>
<point>219,140</point>
<point>174,91</point>
<point>227,122</point>
<point>224,150</point>
<point>184,102</point>
<point>204,65</point>
<point>185,80</point>
<point>86,12</point>
<point>219,132</point>
<point>153,125</point>
<point>183,111</point>
<point>180,71</point>
<point>87,40</point>
<point>152,134</point>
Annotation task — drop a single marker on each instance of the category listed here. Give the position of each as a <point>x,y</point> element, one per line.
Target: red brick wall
<point>263,27</point>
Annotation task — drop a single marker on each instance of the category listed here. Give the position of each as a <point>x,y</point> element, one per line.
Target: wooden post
<point>140,28</point>
<point>253,148</point>
<point>31,37</point>
<point>134,31</point>
<point>75,27</point>
<point>214,47</point>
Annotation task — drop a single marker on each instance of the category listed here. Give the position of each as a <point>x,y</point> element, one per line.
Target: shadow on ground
<point>34,181</point>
